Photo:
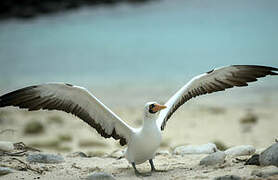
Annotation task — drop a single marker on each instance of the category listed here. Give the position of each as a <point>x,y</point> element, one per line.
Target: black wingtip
<point>7,99</point>
<point>258,66</point>
<point>2,102</point>
<point>273,71</point>
<point>268,69</point>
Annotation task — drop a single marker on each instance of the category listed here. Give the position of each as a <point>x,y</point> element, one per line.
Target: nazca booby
<point>143,142</point>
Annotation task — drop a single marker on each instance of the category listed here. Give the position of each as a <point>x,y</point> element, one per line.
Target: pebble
<point>163,152</point>
<point>100,176</point>
<point>260,150</point>
<point>45,158</point>
<point>117,154</point>
<point>243,150</point>
<point>266,172</point>
<point>228,177</point>
<point>270,156</point>
<point>6,146</point>
<point>196,149</point>
<point>5,170</point>
<point>254,160</point>
<point>34,127</point>
<point>78,154</point>
<point>214,158</point>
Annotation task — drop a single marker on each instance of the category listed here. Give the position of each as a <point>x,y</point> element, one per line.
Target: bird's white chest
<point>143,145</point>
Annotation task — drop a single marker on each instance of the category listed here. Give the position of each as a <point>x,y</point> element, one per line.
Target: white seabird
<point>143,142</point>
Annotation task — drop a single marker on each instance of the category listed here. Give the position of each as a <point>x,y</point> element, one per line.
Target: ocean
<point>142,51</point>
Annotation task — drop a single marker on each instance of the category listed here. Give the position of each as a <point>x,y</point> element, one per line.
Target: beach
<point>223,119</point>
<point>128,55</point>
<point>179,168</point>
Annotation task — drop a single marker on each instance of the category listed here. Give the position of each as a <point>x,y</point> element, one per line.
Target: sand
<point>178,168</point>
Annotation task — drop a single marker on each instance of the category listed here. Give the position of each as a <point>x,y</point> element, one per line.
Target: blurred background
<point>130,52</point>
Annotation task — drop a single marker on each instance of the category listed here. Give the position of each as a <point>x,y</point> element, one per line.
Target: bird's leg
<point>137,173</point>
<point>153,168</point>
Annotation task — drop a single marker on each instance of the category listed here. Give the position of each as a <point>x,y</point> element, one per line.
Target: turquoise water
<point>163,42</point>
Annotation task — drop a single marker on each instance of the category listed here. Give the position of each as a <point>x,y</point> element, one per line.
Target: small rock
<point>214,158</point>
<point>100,176</point>
<point>260,150</point>
<point>33,127</point>
<point>6,146</point>
<point>244,150</point>
<point>65,137</point>
<point>268,171</point>
<point>249,118</point>
<point>163,152</point>
<point>200,149</point>
<point>78,154</point>
<point>117,154</point>
<point>270,156</point>
<point>228,177</point>
<point>254,160</point>
<point>47,167</point>
<point>96,153</point>
<point>45,158</point>
<point>5,170</point>
<point>220,145</point>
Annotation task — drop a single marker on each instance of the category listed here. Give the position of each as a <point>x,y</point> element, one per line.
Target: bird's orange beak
<point>158,107</point>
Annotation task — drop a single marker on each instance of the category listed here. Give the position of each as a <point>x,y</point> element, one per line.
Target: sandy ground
<point>199,122</point>
<point>179,167</point>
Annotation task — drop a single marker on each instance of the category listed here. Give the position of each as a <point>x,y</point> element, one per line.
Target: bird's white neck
<point>149,122</point>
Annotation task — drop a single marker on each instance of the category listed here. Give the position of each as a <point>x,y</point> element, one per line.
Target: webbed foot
<point>154,169</point>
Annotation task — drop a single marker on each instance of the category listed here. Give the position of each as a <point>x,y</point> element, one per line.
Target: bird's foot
<point>138,174</point>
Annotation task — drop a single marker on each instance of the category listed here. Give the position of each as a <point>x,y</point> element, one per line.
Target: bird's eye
<point>151,108</point>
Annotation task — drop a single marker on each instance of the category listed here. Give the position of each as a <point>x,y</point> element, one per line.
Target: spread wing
<point>215,80</point>
<point>71,99</point>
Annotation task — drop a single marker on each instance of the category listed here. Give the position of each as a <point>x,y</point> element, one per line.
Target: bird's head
<point>152,108</point>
